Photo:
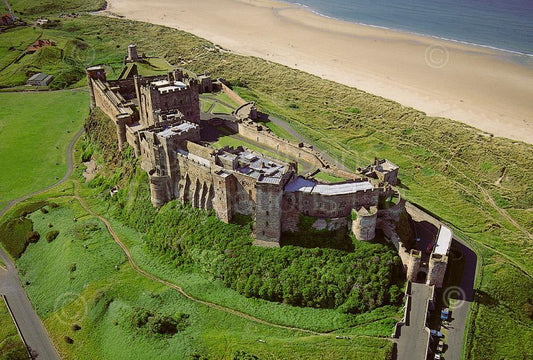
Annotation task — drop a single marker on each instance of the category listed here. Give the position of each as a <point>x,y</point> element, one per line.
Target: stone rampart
<point>265,136</point>
<point>233,95</point>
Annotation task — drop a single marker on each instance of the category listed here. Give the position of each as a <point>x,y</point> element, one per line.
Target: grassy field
<point>221,109</point>
<point>11,346</point>
<point>79,294</point>
<point>328,178</point>
<point>481,185</point>
<point>35,129</point>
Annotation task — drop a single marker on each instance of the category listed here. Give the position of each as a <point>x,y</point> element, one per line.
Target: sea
<point>500,24</point>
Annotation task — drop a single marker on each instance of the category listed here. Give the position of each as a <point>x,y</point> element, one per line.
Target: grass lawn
<point>221,109</point>
<point>235,141</point>
<point>35,129</point>
<point>325,177</point>
<point>222,96</point>
<point>205,105</point>
<point>13,42</point>
<point>71,285</point>
<point>281,132</point>
<point>11,346</point>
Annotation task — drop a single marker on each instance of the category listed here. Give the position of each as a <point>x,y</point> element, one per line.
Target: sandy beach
<point>488,89</point>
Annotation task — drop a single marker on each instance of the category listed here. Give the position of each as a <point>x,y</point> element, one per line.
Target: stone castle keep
<point>159,117</point>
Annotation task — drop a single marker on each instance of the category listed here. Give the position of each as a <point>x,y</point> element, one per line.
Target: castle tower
<point>268,214</point>
<point>364,223</point>
<point>413,266</point>
<point>437,269</point>
<point>132,53</point>
<point>159,190</point>
<point>96,73</point>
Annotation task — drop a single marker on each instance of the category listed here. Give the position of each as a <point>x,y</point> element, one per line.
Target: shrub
<point>243,355</point>
<point>68,340</point>
<point>72,267</point>
<point>51,235</point>
<point>154,323</point>
<point>32,237</point>
<point>76,327</point>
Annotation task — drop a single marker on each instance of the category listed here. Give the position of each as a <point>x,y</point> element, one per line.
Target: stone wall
<point>233,95</point>
<point>265,136</point>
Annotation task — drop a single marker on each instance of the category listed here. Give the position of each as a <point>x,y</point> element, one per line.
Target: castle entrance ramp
<point>414,337</point>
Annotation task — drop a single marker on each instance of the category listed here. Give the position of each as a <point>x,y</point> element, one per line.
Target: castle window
<point>266,224</point>
<point>263,233</point>
<point>267,213</point>
<point>250,193</point>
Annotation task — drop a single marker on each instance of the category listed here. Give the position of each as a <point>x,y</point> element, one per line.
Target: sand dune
<point>485,88</point>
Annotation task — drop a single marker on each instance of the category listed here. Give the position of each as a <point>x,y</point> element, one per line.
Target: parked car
<point>440,346</point>
<point>445,314</point>
<point>435,333</point>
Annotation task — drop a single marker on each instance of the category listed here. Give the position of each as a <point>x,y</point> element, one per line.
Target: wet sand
<point>488,89</point>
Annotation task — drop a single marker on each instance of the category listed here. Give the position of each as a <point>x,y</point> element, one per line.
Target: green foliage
<point>355,281</point>
<point>11,346</point>
<point>51,235</point>
<point>13,235</point>
<point>353,110</point>
<point>31,7</point>
<point>243,355</point>
<point>32,237</point>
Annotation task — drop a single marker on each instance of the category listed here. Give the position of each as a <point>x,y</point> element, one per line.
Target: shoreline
<point>486,88</point>
<point>409,32</point>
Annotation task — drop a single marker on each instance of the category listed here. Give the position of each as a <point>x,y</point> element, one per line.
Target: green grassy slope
<point>35,129</point>
<point>32,8</point>
<point>73,285</point>
<point>11,346</point>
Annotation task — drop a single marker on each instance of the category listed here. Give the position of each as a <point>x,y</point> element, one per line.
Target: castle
<point>159,117</point>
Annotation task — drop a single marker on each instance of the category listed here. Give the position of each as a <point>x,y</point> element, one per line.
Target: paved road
<point>464,293</point>
<point>414,337</point>
<point>30,325</point>
<point>27,319</point>
<point>464,297</point>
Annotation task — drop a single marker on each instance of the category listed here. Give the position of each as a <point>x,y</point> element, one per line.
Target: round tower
<point>159,193</point>
<point>364,223</point>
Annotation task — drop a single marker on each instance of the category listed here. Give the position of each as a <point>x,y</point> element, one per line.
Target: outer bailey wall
<point>281,145</point>
<point>195,183</point>
<point>103,101</point>
<point>233,95</point>
<point>322,206</point>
